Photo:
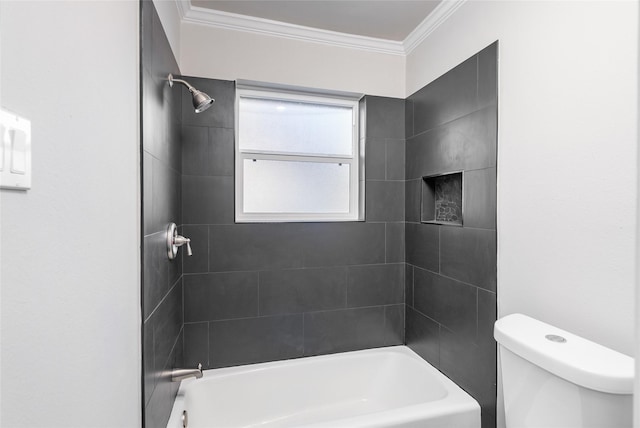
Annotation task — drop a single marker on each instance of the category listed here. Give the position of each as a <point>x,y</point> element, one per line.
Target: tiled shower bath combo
<point>255,293</point>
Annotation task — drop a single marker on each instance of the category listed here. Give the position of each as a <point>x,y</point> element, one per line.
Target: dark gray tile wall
<point>162,287</point>
<point>451,271</point>
<point>261,292</point>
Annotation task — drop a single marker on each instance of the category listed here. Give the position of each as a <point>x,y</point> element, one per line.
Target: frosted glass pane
<point>295,127</point>
<point>295,187</point>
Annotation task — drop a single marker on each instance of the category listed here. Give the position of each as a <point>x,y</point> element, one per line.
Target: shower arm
<point>171,80</point>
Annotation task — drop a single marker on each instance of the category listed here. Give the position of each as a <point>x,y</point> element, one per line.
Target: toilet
<point>552,378</point>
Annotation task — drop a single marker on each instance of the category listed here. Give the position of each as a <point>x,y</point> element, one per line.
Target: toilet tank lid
<point>577,360</point>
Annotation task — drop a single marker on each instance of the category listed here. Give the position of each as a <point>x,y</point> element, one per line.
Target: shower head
<point>201,101</point>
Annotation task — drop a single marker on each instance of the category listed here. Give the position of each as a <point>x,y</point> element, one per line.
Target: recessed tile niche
<point>442,199</point>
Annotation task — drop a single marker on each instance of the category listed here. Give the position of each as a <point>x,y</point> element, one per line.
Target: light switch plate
<point>15,151</point>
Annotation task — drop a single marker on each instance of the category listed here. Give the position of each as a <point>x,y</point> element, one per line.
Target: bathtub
<point>383,387</point>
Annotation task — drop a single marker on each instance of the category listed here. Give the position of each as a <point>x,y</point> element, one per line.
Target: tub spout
<point>180,374</point>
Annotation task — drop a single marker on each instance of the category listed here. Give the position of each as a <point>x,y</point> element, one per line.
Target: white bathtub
<point>384,387</point>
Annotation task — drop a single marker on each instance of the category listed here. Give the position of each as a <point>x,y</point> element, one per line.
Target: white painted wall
<point>171,21</point>
<point>70,289</point>
<point>229,54</point>
<point>567,155</point>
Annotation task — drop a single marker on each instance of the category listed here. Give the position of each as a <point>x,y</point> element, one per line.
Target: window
<point>297,157</point>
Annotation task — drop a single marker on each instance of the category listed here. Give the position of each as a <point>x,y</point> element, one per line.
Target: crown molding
<point>437,17</point>
<point>250,24</point>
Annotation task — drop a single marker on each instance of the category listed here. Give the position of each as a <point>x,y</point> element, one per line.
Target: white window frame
<point>355,162</point>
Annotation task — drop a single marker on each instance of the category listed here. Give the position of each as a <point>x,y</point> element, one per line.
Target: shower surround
<point>262,292</point>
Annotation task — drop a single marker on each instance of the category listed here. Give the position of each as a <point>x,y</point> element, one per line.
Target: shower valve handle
<point>174,241</point>
<point>179,241</point>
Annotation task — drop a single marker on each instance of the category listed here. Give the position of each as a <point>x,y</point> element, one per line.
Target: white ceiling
<point>383,19</point>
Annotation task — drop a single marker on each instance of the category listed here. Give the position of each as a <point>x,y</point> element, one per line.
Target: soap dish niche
<point>441,199</point>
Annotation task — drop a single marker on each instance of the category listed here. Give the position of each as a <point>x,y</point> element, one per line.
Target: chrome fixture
<point>174,241</point>
<point>180,374</point>
<point>201,101</point>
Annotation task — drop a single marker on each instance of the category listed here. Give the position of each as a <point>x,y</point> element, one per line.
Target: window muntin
<point>297,157</point>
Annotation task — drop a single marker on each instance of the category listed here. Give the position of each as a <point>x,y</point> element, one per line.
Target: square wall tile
<point>221,151</point>
<point>302,290</point>
<point>148,225</point>
<point>149,372</point>
<point>167,320</point>
<point>408,284</point>
<point>448,302</point>
<point>470,366</point>
<point>412,189</point>
<point>375,158</point>
<point>488,75</point>
<point>166,196</point>
<point>487,315</point>
<point>463,144</point>
<point>219,296</point>
<point>195,150</point>
<point>394,325</point>
<point>395,159</point>
<point>196,345</point>
<point>155,282</point>
<point>480,198</point>
<point>423,336</point>
<point>408,118</point>
<point>469,255</point>
<point>423,243</point>
<point>199,261</point>
<point>343,330</point>
<point>375,285</point>
<point>447,98</point>
<point>385,201</point>
<point>208,200</point>
<point>385,117</point>
<point>255,340</point>
<point>395,243</point>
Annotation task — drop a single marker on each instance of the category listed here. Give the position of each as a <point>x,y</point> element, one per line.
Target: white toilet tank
<point>552,378</point>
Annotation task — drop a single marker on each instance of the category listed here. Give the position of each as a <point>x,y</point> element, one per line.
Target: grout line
<point>384,324</point>
<point>452,278</point>
<point>258,287</point>
<point>457,227</point>
<point>492,105</point>
<point>385,242</point>
<point>386,159</point>
<point>162,161</point>
<point>413,286</point>
<point>382,263</point>
<point>477,58</point>
<point>346,288</point>
<point>208,345</point>
<point>303,335</point>
<point>163,299</point>
<point>439,249</point>
<point>292,313</point>
<point>477,315</point>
